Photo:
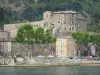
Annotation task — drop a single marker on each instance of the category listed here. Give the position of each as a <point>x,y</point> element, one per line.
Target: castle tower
<point>47,15</point>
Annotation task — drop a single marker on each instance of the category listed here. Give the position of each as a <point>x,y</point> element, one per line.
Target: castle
<point>66,21</point>
<point>63,24</point>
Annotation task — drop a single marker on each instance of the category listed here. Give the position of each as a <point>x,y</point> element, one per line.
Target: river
<point>77,70</point>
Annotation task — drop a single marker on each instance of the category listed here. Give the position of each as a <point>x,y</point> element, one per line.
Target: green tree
<point>34,11</point>
<point>84,38</point>
<point>95,39</point>
<point>25,35</point>
<point>44,37</point>
<point>81,38</point>
<point>39,35</point>
<point>1,17</point>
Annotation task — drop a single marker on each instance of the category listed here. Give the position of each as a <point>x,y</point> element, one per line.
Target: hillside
<point>14,11</point>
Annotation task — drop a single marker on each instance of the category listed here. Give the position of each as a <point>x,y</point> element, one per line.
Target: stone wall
<point>4,36</point>
<point>68,21</point>
<point>32,50</point>
<point>5,49</point>
<point>6,61</point>
<point>5,43</point>
<point>46,61</point>
<point>12,28</point>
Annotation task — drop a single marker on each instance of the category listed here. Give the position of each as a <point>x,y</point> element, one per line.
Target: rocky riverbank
<point>46,61</point>
<point>41,61</point>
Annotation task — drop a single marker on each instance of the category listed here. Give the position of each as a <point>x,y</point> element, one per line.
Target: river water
<point>78,70</point>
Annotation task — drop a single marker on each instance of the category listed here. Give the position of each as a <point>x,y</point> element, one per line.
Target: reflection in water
<point>50,70</point>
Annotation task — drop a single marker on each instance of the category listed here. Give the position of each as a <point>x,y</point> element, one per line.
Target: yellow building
<point>66,46</point>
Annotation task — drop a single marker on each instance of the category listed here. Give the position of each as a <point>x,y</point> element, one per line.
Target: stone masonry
<point>63,24</point>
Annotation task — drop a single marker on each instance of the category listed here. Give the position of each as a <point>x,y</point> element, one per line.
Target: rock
<point>10,62</point>
<point>20,60</point>
<point>48,61</point>
<point>32,61</point>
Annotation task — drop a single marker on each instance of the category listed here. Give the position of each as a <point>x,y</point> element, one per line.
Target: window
<point>58,21</point>
<point>72,28</point>
<point>72,21</point>
<point>53,24</point>
<point>72,18</point>
<point>64,22</point>
<point>64,28</point>
<point>78,25</point>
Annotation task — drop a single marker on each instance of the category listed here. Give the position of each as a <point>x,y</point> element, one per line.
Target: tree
<point>29,14</point>
<point>95,39</point>
<point>39,35</point>
<point>33,10</point>
<point>84,38</point>
<point>44,37</point>
<point>1,14</point>
<point>1,17</point>
<point>25,35</point>
<point>49,39</point>
<point>81,38</point>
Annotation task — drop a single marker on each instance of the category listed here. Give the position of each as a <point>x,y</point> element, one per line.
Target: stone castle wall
<point>4,36</point>
<point>32,50</point>
<point>68,21</point>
